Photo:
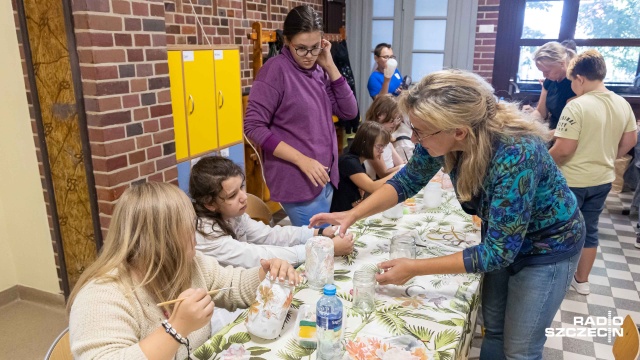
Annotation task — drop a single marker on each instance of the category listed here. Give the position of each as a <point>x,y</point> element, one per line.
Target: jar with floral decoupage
<point>268,313</point>
<point>319,264</point>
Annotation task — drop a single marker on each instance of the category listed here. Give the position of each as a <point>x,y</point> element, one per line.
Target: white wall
<point>26,253</point>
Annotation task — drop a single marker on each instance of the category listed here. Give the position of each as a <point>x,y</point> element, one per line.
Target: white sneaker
<point>581,288</point>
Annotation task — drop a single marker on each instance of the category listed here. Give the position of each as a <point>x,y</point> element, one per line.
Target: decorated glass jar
<point>267,314</point>
<point>319,264</point>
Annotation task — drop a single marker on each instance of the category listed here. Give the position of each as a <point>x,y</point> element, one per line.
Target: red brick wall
<point>121,47</point>
<point>485,47</point>
<point>122,51</point>
<point>226,22</point>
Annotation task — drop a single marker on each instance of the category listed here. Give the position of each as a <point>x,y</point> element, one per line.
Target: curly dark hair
<point>205,185</point>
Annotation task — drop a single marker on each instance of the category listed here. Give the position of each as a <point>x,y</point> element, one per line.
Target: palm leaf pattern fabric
<point>430,317</point>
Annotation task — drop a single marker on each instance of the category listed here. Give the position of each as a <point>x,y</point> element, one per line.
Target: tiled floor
<point>615,287</point>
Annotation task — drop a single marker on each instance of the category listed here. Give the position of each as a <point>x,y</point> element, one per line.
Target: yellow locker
<point>200,100</point>
<point>228,92</point>
<point>206,99</point>
<point>177,104</point>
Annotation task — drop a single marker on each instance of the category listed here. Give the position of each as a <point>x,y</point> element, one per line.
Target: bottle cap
<point>329,289</point>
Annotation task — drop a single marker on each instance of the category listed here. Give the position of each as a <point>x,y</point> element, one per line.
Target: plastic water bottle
<point>329,324</point>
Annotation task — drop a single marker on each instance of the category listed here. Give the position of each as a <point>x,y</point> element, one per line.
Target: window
<point>426,35</point>
<point>610,26</point>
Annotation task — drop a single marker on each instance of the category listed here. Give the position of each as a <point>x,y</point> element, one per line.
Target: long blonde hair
<point>554,52</point>
<point>149,236</point>
<point>455,99</point>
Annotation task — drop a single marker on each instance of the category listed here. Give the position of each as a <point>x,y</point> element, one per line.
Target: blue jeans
<point>300,213</point>
<point>517,308</point>
<point>591,203</point>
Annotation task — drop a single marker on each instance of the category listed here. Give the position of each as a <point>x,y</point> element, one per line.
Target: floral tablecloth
<point>431,317</point>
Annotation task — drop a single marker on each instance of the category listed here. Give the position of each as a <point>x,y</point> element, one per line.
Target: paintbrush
<point>180,299</point>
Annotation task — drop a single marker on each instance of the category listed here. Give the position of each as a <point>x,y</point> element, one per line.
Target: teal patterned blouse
<point>529,214</point>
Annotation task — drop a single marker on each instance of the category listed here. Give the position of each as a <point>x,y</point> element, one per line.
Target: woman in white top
<point>384,110</point>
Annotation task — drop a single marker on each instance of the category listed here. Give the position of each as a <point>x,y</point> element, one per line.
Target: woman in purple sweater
<point>289,115</point>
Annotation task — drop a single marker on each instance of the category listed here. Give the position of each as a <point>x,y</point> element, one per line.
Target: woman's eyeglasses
<point>420,138</point>
<point>380,147</point>
<point>303,51</point>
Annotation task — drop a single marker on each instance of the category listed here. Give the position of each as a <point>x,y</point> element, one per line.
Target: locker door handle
<point>221,97</point>
<point>193,105</point>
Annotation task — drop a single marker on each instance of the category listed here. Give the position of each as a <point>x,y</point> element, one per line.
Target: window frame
<point>508,43</point>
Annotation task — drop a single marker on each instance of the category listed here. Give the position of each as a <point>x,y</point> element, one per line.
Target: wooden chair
<point>61,348</point>
<point>627,346</point>
<point>258,210</point>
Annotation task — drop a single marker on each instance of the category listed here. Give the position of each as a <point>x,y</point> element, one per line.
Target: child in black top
<point>368,144</point>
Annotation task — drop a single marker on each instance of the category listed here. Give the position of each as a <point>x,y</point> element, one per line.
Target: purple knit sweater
<point>291,104</point>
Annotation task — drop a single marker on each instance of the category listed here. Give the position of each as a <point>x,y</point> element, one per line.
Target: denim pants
<point>300,213</point>
<point>591,203</point>
<point>518,307</point>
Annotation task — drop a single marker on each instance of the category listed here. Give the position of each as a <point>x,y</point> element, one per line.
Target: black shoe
<point>626,212</point>
<point>638,241</point>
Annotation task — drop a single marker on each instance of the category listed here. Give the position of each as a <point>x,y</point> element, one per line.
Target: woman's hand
<point>396,271</point>
<point>315,171</point>
<point>344,219</point>
<point>343,245</point>
<point>193,312</point>
<point>279,269</point>
<point>325,60</point>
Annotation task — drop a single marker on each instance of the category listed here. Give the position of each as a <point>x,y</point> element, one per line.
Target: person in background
<point>594,129</point>
<point>532,229</point>
<point>289,114</point>
<point>226,232</point>
<point>149,257</point>
<point>369,142</point>
<point>402,140</point>
<point>384,111</point>
<point>552,59</point>
<point>384,79</point>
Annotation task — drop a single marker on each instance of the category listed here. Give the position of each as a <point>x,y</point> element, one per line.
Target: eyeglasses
<point>380,147</point>
<point>415,131</point>
<point>387,57</point>
<point>303,51</point>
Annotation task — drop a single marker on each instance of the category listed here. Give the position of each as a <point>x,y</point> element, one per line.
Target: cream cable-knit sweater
<point>107,323</point>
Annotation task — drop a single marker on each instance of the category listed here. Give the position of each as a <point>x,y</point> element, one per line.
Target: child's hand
<point>193,312</point>
<point>329,231</point>
<point>343,245</point>
<point>280,270</point>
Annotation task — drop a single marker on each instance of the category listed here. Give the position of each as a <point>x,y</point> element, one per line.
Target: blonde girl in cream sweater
<point>149,257</point>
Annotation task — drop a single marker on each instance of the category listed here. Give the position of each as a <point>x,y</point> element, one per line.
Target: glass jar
<point>267,314</point>
<point>394,212</point>
<point>364,291</point>
<point>319,263</point>
<point>403,245</point>
<point>432,195</point>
